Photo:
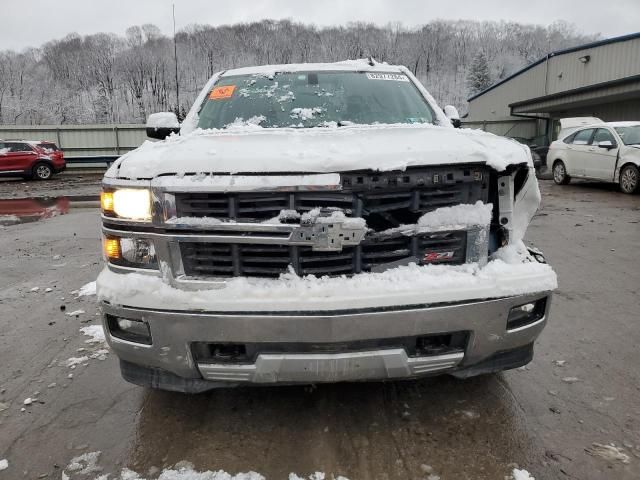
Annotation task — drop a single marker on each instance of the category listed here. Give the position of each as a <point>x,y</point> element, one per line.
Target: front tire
<point>560,173</point>
<point>42,171</point>
<point>630,179</point>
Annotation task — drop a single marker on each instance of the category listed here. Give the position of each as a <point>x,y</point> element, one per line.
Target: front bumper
<point>169,362</point>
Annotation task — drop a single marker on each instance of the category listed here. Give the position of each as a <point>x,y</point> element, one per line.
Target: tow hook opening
<point>136,331</point>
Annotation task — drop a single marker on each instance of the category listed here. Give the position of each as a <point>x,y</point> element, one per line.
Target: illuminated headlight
<point>130,252</point>
<point>127,203</point>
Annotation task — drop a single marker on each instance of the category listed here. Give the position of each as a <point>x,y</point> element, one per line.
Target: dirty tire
<point>630,179</point>
<point>560,173</point>
<point>42,171</point>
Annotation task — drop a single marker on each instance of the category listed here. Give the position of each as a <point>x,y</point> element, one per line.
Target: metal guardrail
<point>91,162</point>
<point>85,146</point>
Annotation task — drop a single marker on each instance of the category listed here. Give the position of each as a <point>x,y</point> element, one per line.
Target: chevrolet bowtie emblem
<point>327,234</point>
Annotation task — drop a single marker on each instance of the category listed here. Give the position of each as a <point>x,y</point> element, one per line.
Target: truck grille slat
<point>384,199</point>
<point>273,260</point>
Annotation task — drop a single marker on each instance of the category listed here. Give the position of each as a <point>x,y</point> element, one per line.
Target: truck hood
<point>318,150</point>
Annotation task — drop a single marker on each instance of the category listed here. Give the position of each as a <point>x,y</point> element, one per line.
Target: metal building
<point>599,79</point>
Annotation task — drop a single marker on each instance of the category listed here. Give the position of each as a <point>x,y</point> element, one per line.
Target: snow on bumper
<point>511,274</point>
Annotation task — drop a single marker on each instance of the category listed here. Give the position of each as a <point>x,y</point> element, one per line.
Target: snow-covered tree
<point>479,75</point>
<point>106,78</point>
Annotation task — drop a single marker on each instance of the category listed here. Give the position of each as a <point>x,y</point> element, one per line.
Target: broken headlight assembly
<point>130,252</point>
<point>127,203</point>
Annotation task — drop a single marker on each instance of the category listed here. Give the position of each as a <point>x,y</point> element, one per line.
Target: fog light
<point>527,313</point>
<point>111,247</point>
<point>136,331</point>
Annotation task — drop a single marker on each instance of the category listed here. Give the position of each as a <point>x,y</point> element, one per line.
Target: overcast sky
<point>32,22</point>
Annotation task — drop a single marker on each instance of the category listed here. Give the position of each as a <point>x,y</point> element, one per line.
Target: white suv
<point>600,151</point>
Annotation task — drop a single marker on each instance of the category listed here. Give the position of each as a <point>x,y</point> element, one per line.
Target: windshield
<point>314,99</point>
<point>629,135</point>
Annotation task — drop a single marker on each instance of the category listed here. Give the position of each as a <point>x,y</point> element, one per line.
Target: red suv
<point>37,160</point>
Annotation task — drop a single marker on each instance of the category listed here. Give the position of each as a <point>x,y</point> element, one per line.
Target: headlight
<point>130,252</point>
<point>128,203</point>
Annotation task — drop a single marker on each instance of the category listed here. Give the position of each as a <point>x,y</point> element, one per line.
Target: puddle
<point>26,210</point>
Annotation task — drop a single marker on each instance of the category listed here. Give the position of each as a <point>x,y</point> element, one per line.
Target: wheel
<point>560,173</point>
<point>42,171</point>
<point>630,179</point>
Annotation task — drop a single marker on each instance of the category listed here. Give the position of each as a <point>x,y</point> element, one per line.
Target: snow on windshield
<point>314,99</point>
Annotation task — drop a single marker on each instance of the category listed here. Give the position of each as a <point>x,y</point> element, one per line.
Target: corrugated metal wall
<point>607,62</point>
<point>81,140</point>
<point>561,73</point>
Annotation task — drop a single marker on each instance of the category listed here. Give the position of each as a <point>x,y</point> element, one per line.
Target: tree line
<point>106,78</point>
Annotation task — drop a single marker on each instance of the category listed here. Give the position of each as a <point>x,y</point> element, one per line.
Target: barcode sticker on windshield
<point>397,77</point>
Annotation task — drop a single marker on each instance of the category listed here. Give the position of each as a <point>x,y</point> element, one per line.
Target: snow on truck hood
<point>318,150</point>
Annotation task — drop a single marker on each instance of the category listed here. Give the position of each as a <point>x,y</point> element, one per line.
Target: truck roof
<point>346,65</point>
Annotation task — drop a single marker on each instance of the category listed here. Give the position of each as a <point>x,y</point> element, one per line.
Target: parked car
<point>539,150</point>
<point>319,223</point>
<point>607,151</point>
<point>38,160</point>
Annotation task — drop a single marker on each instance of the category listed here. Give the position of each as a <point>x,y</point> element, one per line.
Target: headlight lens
<point>130,252</point>
<point>128,203</point>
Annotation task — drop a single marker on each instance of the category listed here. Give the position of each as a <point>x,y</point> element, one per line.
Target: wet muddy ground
<point>582,388</point>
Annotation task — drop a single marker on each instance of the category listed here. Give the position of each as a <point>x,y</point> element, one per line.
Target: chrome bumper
<point>174,332</point>
<point>340,367</point>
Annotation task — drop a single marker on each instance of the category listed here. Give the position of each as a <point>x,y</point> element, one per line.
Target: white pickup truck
<point>319,223</point>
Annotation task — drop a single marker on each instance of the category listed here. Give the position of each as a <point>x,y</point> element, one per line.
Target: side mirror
<point>161,125</point>
<point>606,144</point>
<point>452,114</point>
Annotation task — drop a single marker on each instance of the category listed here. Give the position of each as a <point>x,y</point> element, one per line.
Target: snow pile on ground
<point>457,217</point>
<point>87,289</point>
<point>88,463</point>
<point>405,285</point>
<point>96,332</point>
<point>610,453</point>
<point>521,475</point>
<point>4,464</point>
<point>73,362</point>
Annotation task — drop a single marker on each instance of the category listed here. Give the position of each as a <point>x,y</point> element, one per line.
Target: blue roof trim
<point>595,44</point>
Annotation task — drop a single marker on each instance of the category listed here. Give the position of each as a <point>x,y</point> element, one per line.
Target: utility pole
<point>175,55</point>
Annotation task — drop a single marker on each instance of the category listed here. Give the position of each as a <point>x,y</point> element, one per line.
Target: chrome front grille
<point>417,191</point>
<point>241,241</point>
<point>201,259</point>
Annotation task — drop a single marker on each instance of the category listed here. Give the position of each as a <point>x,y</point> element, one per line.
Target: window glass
<point>570,138</point>
<point>19,147</point>
<point>49,146</point>
<point>582,137</point>
<point>603,135</point>
<point>314,99</point>
<point>630,135</point>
